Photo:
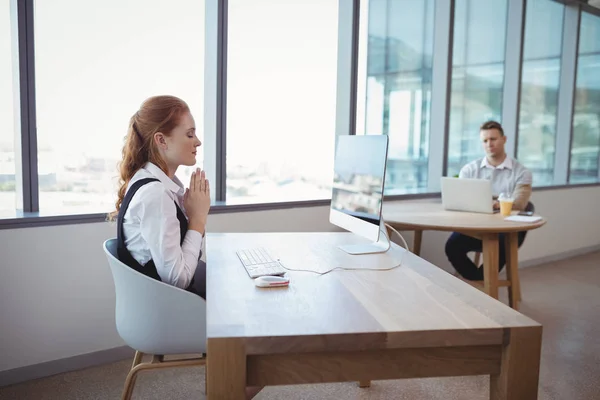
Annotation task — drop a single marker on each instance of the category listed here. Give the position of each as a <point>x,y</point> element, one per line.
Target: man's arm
<point>521,196</point>
<point>466,172</point>
<point>522,191</point>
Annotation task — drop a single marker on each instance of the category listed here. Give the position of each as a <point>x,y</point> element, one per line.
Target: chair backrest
<point>152,316</point>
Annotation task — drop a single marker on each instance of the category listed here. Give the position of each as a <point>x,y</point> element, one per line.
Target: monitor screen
<point>359,174</point>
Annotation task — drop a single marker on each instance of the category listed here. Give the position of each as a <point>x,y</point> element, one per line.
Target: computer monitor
<point>357,193</point>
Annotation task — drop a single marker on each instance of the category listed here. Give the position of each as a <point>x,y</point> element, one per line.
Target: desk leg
<point>512,269</point>
<point>364,384</point>
<point>417,242</point>
<point>520,366</point>
<point>490,264</point>
<point>226,369</point>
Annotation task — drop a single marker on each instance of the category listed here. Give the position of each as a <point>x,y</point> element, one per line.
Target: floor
<point>563,296</point>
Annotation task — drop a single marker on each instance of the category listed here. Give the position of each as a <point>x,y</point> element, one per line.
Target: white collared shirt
<point>151,228</point>
<point>507,163</point>
<point>505,177</point>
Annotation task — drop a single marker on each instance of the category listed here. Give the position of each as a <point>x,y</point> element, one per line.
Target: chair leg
<point>130,381</point>
<point>137,358</point>
<point>157,362</point>
<point>364,384</point>
<point>129,384</point>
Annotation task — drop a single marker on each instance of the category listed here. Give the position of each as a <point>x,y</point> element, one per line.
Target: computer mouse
<point>271,281</point>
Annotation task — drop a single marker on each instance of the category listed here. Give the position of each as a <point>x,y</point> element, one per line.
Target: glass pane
<point>281,99</point>
<point>397,96</point>
<point>539,88</point>
<point>9,101</point>
<point>477,76</point>
<point>585,148</point>
<point>92,74</point>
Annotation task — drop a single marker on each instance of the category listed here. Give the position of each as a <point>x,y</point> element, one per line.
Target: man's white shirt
<point>505,177</point>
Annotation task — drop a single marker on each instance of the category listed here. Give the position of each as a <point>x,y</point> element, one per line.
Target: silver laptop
<point>461,194</point>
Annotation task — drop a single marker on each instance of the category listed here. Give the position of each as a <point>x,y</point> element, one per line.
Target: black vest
<point>149,269</point>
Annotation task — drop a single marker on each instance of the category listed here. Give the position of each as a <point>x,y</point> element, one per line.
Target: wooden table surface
<point>486,227</point>
<point>432,216</point>
<point>415,306</point>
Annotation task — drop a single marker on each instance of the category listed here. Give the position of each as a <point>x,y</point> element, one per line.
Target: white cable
<point>361,269</point>
<point>397,233</point>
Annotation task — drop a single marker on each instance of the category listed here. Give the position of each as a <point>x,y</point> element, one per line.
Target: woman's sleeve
<point>175,262</point>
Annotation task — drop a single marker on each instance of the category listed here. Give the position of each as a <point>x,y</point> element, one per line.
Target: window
<point>539,88</point>
<point>585,148</point>
<point>92,74</point>
<point>9,101</point>
<point>397,91</point>
<point>281,99</point>
<point>477,76</point>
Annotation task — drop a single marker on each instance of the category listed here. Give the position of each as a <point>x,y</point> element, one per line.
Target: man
<point>507,176</point>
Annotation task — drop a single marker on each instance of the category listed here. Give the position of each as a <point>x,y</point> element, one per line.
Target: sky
<point>97,61</point>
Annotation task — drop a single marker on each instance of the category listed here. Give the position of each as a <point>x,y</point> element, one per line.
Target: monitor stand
<point>380,246</point>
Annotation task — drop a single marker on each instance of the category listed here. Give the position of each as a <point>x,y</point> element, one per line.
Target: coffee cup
<point>506,203</point>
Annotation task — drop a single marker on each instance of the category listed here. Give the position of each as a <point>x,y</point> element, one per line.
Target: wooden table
<point>409,322</point>
<point>418,217</point>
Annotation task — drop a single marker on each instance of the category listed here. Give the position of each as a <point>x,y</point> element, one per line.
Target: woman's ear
<point>159,139</point>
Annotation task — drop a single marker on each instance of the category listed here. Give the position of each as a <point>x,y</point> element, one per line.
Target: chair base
<point>157,362</point>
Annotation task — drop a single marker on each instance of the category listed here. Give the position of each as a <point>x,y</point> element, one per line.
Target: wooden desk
<point>409,322</point>
<point>418,217</point>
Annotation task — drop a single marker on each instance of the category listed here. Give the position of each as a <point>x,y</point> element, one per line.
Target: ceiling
<point>595,3</point>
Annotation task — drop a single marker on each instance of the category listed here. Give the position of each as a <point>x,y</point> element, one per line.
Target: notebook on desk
<point>523,218</point>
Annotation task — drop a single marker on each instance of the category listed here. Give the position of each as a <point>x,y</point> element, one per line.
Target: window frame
<point>575,63</point>
<point>215,104</point>
<point>27,186</point>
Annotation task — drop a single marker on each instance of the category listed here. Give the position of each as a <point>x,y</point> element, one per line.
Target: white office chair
<point>155,318</point>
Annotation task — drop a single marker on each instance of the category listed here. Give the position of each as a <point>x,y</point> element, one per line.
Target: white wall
<point>57,297</point>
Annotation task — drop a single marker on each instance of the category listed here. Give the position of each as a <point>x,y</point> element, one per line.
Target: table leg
<point>364,384</point>
<point>226,369</point>
<point>511,245</point>
<point>490,264</point>
<point>389,232</point>
<point>520,366</point>
<point>417,242</point>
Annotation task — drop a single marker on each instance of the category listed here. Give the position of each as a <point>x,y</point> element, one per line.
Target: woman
<point>160,226</point>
